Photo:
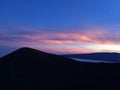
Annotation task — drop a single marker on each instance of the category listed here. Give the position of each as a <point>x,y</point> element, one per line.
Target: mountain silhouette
<point>105,56</point>
<point>26,54</point>
<point>28,68</point>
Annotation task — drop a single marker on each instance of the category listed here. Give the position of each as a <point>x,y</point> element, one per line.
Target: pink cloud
<point>58,50</point>
<point>51,38</point>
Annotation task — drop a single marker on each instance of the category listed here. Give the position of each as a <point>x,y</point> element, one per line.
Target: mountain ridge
<point>26,53</point>
<point>106,56</point>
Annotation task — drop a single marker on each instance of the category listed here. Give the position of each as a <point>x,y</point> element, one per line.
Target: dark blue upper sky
<point>61,13</point>
<point>21,18</point>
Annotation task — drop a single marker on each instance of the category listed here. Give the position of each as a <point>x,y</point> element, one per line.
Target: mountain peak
<point>25,52</point>
<point>26,48</point>
<point>33,55</point>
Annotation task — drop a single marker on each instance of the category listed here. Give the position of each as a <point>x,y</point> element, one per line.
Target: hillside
<point>28,68</point>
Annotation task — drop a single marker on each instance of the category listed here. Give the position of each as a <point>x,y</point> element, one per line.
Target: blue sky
<point>60,13</point>
<point>21,18</point>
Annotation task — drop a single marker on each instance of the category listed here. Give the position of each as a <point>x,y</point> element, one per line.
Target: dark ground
<point>32,69</point>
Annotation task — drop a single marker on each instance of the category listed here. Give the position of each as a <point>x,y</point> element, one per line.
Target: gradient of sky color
<point>60,26</point>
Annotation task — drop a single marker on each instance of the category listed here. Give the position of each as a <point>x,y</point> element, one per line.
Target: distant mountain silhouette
<point>105,56</point>
<point>28,68</point>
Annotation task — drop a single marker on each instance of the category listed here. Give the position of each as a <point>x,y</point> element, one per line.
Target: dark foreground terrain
<point>28,68</point>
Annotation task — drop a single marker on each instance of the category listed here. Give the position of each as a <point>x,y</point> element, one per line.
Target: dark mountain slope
<point>111,57</point>
<point>34,66</point>
<point>32,55</point>
<point>33,69</point>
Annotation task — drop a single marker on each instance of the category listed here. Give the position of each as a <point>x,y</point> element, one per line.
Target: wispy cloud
<point>22,35</point>
<point>61,37</point>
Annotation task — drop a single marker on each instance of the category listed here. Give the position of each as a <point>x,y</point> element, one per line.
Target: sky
<point>60,26</point>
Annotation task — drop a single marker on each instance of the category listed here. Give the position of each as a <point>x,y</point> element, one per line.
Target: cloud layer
<point>58,41</point>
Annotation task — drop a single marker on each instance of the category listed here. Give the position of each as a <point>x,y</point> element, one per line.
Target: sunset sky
<point>60,26</point>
